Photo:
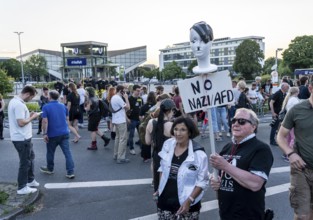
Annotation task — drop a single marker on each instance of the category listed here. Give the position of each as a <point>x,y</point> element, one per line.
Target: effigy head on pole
<point>201,37</point>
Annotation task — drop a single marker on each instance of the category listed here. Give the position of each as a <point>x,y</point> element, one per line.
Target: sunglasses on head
<point>241,121</point>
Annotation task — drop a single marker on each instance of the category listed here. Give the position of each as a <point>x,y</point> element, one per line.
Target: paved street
<point>103,189</point>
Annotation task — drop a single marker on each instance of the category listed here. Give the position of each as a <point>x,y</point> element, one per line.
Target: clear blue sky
<point>131,23</point>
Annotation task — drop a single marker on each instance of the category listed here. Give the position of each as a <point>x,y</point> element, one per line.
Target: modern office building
<point>222,53</point>
<point>90,58</point>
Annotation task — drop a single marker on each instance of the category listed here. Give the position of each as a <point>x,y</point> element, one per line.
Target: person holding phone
<point>120,104</point>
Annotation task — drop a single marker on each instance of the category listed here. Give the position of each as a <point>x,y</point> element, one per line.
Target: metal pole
<point>21,60</point>
<point>276,60</point>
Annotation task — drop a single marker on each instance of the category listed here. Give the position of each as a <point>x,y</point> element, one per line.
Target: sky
<point>154,23</point>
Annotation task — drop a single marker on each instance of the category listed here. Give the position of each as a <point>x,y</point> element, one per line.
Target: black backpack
<point>103,108</point>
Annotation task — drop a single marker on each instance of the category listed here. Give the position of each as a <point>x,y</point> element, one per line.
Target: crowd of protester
<point>179,165</point>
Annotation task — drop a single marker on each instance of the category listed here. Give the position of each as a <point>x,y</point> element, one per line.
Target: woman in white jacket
<point>183,173</point>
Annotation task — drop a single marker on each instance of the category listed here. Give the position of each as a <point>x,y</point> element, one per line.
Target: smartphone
<point>122,92</point>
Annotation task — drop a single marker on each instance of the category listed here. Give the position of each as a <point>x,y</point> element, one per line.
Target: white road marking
<point>206,206</point>
<point>211,205</point>
<point>124,182</point>
<point>98,183</point>
<point>280,169</point>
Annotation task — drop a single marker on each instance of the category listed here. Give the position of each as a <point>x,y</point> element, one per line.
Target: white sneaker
<point>26,190</point>
<point>34,183</point>
<point>220,134</point>
<point>132,151</point>
<point>228,134</point>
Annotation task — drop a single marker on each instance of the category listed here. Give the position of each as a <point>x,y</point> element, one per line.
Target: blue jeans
<point>63,142</point>
<point>222,119</point>
<point>131,127</point>
<point>26,167</point>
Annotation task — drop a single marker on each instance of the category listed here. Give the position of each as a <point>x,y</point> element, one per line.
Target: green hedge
<point>33,106</point>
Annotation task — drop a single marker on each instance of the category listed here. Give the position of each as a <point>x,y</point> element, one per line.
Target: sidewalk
<point>15,204</point>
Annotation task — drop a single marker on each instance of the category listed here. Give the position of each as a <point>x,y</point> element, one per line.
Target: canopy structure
<point>303,71</point>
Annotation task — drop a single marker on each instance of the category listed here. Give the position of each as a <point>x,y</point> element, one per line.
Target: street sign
<point>76,61</point>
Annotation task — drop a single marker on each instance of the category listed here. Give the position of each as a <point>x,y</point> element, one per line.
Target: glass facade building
<point>222,53</point>
<point>53,59</point>
<point>85,59</point>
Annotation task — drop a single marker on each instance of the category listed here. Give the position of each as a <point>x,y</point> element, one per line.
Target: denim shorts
<point>301,191</point>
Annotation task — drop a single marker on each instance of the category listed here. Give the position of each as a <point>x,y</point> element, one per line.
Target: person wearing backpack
<point>157,132</point>
<point>92,107</point>
<point>144,113</point>
<point>183,173</point>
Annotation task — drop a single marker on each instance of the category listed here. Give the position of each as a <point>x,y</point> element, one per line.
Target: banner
<point>206,91</point>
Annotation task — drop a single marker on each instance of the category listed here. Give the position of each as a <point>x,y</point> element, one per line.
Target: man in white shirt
<point>119,104</point>
<point>21,135</point>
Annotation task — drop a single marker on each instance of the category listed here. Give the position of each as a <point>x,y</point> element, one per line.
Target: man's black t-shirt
<point>135,105</point>
<point>235,201</point>
<point>278,97</point>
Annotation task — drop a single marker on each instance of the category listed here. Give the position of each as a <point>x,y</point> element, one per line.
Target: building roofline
<point>186,44</point>
<point>114,53</point>
<point>83,43</point>
<point>51,52</point>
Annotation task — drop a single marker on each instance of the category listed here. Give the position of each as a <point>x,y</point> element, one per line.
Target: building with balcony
<point>222,53</point>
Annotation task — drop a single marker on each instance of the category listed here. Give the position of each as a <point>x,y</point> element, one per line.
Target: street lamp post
<point>19,41</point>
<point>278,49</point>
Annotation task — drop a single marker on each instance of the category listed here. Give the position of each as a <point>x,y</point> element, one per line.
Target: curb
<point>21,207</point>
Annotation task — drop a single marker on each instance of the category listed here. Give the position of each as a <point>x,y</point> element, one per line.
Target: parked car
<point>154,80</point>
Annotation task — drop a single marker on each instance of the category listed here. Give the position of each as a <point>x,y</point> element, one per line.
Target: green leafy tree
<point>36,66</point>
<point>248,57</point>
<point>12,67</point>
<point>151,73</point>
<point>172,71</point>
<point>269,63</point>
<point>6,85</point>
<point>284,70</point>
<point>191,66</point>
<point>299,54</point>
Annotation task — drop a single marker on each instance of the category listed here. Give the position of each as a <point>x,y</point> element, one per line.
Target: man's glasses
<point>241,121</point>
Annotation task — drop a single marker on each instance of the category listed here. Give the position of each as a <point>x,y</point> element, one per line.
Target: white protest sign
<point>206,91</point>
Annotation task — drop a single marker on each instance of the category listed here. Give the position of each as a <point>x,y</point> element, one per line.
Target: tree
<point>12,67</point>
<point>284,70</point>
<point>36,66</point>
<point>172,71</point>
<point>6,85</point>
<point>248,57</point>
<point>269,63</point>
<point>299,54</point>
<point>151,73</point>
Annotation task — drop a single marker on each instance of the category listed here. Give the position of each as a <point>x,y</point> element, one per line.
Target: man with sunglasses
<point>244,166</point>
<point>299,117</point>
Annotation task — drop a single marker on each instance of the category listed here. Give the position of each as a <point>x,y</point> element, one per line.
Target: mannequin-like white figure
<point>201,36</point>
